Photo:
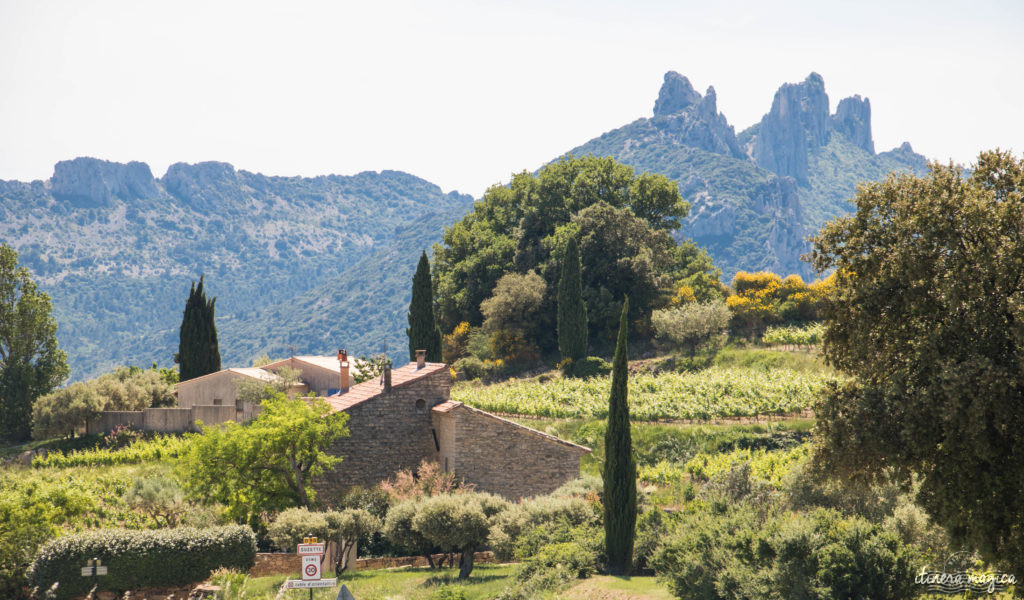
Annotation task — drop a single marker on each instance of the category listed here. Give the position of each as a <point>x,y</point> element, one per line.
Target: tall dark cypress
<point>198,351</point>
<point>572,310</point>
<point>423,331</point>
<point>619,466</point>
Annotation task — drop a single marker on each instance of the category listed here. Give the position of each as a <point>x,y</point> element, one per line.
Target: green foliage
<point>31,364</point>
<point>715,392</point>
<point>456,522</point>
<point>509,532</point>
<point>693,326</point>
<point>126,388</point>
<point>370,368</point>
<point>255,391</point>
<point>399,530</point>
<point>268,464</point>
<point>620,219</point>
<point>423,332</point>
<point>137,559</point>
<point>291,525</point>
<point>158,447</point>
<point>590,366</point>
<point>572,310</point>
<point>769,466</point>
<point>619,467</point>
<point>927,317</point>
<point>807,336</point>
<point>198,351</point>
<point>159,497</point>
<point>511,317</point>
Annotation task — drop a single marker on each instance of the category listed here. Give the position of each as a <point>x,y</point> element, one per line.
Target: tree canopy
<point>198,351</point>
<point>268,464</point>
<point>622,221</point>
<point>423,331</point>
<point>31,364</point>
<point>927,316</point>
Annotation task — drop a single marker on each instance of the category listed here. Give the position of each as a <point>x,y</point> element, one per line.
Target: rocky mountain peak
<point>853,119</point>
<point>797,123</point>
<point>205,185</point>
<point>675,95</point>
<point>91,182</point>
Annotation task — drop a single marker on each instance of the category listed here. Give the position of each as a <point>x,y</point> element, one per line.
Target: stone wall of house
<point>444,424</point>
<point>503,458</point>
<point>387,433</point>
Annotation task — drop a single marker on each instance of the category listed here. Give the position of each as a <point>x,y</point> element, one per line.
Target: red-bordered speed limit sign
<point>310,568</point>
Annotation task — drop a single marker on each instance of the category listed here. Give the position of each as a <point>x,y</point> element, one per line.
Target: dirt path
<point>606,587</point>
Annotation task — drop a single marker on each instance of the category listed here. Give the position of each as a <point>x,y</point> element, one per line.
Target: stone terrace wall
<point>503,458</point>
<point>165,420</point>
<point>387,433</point>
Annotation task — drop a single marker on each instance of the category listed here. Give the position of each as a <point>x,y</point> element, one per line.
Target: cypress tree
<point>572,311</point>
<point>424,332</point>
<point>198,351</point>
<point>619,468</point>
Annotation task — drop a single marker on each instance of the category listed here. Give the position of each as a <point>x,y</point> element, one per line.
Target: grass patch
<point>486,581</point>
<point>607,587</point>
<point>803,361</point>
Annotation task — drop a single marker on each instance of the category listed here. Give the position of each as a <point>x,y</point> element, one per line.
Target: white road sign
<point>295,584</point>
<point>310,568</point>
<point>310,549</point>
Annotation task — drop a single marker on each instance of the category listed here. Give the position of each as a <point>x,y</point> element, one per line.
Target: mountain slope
<point>756,196</point>
<point>117,249</point>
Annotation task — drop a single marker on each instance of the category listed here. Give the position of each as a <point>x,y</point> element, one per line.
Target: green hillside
<point>117,249</point>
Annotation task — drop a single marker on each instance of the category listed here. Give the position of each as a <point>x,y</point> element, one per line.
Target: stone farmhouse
<point>395,422</point>
<point>407,416</point>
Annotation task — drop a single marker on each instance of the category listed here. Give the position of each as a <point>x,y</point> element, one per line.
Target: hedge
<point>140,559</point>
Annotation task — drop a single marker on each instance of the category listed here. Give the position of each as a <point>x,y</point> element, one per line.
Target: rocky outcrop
<point>853,119</point>
<point>797,123</point>
<point>90,182</point>
<point>675,95</point>
<point>686,118</point>
<point>204,186</point>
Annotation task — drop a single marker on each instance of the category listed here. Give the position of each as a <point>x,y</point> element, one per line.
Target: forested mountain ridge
<point>755,196</point>
<point>117,249</point>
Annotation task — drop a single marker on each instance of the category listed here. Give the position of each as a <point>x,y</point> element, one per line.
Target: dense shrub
<point>510,527</point>
<point>590,366</point>
<point>137,559</point>
<point>578,559</point>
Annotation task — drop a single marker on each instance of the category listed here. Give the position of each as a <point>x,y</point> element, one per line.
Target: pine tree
<point>619,467</point>
<point>572,310</point>
<point>423,331</point>
<point>198,351</point>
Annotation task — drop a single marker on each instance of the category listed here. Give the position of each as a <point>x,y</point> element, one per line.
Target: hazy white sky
<point>464,93</point>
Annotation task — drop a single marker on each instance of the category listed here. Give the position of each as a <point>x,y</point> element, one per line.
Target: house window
<point>217,402</point>
<point>446,464</point>
<point>421,404</point>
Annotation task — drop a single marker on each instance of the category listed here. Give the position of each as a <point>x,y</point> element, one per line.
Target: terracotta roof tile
<point>446,406</point>
<point>366,390</point>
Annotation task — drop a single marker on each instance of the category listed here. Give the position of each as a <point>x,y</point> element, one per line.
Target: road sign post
<point>311,553</point>
<point>94,568</point>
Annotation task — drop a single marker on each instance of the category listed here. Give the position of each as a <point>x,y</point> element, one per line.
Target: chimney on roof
<point>387,376</point>
<point>344,379</point>
<point>421,359</point>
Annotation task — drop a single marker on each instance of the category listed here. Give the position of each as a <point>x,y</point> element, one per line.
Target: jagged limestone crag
<point>756,196</point>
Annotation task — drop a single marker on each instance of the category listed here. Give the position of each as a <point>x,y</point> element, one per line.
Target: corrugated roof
<point>362,392</point>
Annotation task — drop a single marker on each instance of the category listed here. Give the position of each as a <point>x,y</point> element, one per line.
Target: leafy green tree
<point>268,464</point>
<point>511,316</point>
<point>458,522</point>
<point>31,364</point>
<point>513,227</point>
<point>572,310</point>
<point>423,332</point>
<point>619,465</point>
<point>693,326</point>
<point>346,527</point>
<point>399,530</point>
<point>159,497</point>
<point>927,318</point>
<point>198,352</point>
<point>126,388</point>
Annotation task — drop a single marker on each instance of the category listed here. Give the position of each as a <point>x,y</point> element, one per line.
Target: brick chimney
<point>344,380</point>
<point>387,376</point>
<point>421,359</point>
